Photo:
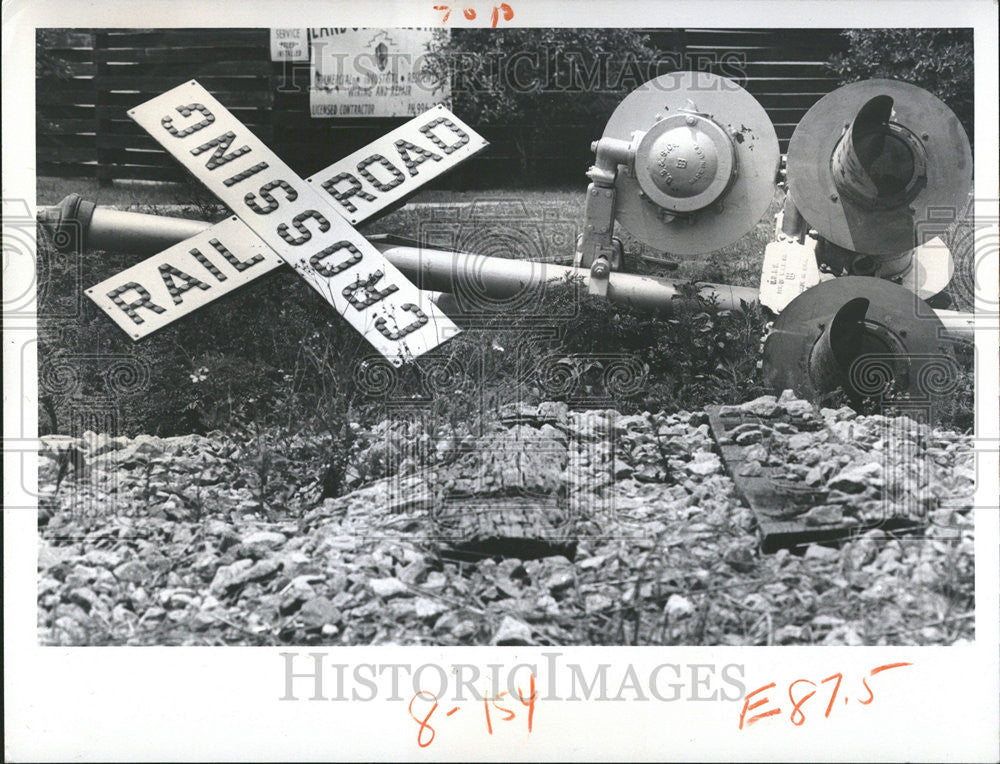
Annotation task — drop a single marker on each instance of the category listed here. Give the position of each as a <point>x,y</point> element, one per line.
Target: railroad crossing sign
<point>311,231</point>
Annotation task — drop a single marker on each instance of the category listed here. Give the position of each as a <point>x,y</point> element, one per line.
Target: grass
<point>550,218</point>
<point>693,360</point>
<point>50,190</point>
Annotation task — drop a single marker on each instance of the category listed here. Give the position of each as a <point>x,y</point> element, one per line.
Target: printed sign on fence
<point>372,73</point>
<point>290,44</point>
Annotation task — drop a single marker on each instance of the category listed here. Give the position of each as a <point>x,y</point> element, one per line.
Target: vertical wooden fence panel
<point>83,128</point>
<point>102,111</point>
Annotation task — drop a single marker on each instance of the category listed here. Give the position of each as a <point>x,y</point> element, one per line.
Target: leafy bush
<point>47,63</point>
<point>939,60</point>
<point>536,84</point>
<point>698,356</point>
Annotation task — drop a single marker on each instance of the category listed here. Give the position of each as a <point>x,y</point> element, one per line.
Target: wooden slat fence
<point>83,128</point>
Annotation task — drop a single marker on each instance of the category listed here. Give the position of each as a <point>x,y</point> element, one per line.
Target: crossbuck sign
<point>282,218</point>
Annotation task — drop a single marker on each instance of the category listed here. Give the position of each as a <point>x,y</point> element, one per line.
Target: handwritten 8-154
<point>492,712</point>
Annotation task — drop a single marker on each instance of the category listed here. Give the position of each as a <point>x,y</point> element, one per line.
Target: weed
<point>271,364</point>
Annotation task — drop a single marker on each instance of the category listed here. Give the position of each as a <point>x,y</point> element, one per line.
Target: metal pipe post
<point>103,228</point>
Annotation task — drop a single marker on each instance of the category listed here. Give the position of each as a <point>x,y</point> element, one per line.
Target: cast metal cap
<point>869,337</point>
<point>705,162</point>
<point>867,161</point>
<point>685,162</point>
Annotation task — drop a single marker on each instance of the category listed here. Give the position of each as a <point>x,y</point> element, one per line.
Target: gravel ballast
<point>164,541</point>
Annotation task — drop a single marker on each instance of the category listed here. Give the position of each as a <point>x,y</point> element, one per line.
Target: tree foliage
<point>938,60</point>
<point>535,84</point>
<point>48,63</point>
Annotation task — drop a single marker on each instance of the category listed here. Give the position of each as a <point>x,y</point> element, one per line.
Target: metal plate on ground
<point>297,221</point>
<point>780,510</point>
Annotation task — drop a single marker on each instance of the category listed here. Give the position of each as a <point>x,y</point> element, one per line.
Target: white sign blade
<point>183,278</point>
<point>392,167</point>
<point>357,193</point>
<point>931,269</point>
<point>296,220</point>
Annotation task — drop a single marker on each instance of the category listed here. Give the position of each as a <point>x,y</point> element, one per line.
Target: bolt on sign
<point>310,232</point>
<point>371,73</point>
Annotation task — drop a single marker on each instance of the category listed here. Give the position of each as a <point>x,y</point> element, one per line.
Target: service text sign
<point>371,73</point>
<point>289,44</point>
<point>294,219</point>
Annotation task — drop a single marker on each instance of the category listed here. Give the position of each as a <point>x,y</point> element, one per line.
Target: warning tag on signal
<point>789,269</point>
